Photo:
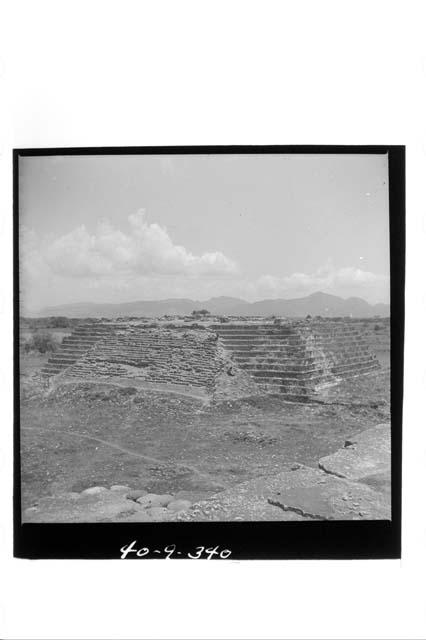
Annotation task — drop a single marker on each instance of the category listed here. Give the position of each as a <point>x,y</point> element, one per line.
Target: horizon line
<point>88,302</point>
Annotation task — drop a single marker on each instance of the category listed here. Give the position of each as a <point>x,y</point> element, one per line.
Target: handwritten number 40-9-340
<point>170,550</point>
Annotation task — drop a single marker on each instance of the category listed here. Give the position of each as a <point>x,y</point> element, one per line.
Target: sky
<point>125,228</point>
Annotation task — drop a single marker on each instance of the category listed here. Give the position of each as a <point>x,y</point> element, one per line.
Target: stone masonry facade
<point>296,359</point>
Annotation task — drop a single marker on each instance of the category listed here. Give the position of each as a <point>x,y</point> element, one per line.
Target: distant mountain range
<point>316,304</point>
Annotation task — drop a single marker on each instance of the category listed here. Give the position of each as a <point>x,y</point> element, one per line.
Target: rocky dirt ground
<point>352,484</point>
<point>90,435</point>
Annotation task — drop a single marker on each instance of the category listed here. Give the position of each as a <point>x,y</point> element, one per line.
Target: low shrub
<point>41,342</point>
<point>59,322</point>
<point>200,312</point>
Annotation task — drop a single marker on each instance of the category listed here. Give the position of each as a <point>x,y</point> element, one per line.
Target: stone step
<point>51,371</point>
<point>302,362</point>
<point>73,352</point>
<point>84,337</point>
<point>299,353</point>
<point>158,346</point>
<point>74,344</point>
<point>350,340</point>
<point>314,349</point>
<point>294,325</point>
<point>238,326</point>
<point>278,365</point>
<point>307,372</point>
<point>265,348</point>
<point>61,361</point>
<point>295,328</point>
<point>355,361</point>
<point>261,339</point>
<point>297,370</point>
<point>357,368</point>
<point>318,343</point>
<point>148,338</point>
<point>293,333</point>
<point>331,349</point>
<point>103,326</point>
<point>91,336</point>
<point>76,347</point>
<point>173,365</point>
<point>95,329</point>
<point>294,397</point>
<point>275,365</point>
<point>53,365</point>
<point>291,377</point>
<point>276,380</point>
<point>333,330</point>
<point>279,387</point>
<point>257,332</point>
<point>244,350</point>
<point>63,354</point>
<point>354,374</point>
<point>75,338</point>
<point>236,336</point>
<point>284,374</point>
<point>148,354</point>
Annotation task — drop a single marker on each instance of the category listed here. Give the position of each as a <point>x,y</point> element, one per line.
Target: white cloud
<point>146,250</point>
<point>343,281</point>
<point>144,263</point>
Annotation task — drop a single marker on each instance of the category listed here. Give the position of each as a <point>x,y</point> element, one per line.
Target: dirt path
<point>76,434</point>
<point>188,392</point>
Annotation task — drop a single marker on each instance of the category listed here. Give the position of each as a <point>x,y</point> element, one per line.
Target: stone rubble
<point>297,359</point>
<point>303,493</point>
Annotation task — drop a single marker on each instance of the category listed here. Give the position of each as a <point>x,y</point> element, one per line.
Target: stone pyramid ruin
<point>296,359</point>
<point>299,358</point>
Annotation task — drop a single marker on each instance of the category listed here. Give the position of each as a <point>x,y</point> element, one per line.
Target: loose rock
<point>154,500</point>
<point>92,491</point>
<point>366,455</point>
<point>136,493</point>
<point>179,505</point>
<point>157,512</point>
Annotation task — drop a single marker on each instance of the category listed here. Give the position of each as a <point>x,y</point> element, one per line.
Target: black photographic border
<point>325,540</point>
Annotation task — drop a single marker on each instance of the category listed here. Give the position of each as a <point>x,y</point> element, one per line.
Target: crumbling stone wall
<point>297,358</point>
<point>176,356</point>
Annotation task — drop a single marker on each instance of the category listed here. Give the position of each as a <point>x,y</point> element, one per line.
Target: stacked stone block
<point>77,345</point>
<point>298,359</point>
<point>176,356</point>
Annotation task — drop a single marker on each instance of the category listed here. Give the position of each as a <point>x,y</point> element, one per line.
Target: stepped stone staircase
<point>178,356</point>
<point>298,359</point>
<point>76,346</point>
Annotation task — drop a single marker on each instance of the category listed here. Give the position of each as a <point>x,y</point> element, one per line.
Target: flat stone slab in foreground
<point>75,507</point>
<point>365,457</point>
<point>303,494</point>
<point>352,484</point>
